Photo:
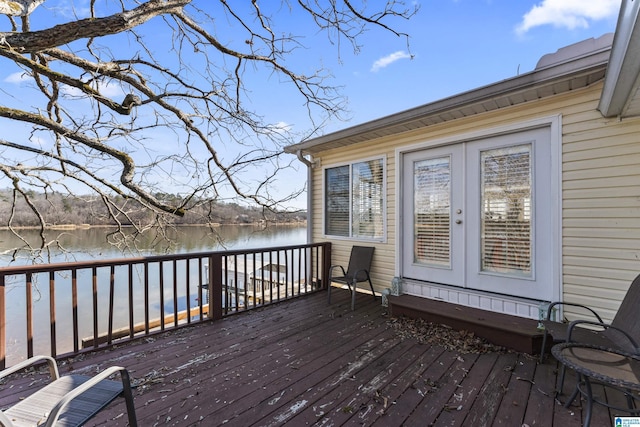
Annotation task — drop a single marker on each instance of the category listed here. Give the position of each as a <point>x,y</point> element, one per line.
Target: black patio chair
<point>67,401</point>
<point>623,333</point>
<point>357,271</point>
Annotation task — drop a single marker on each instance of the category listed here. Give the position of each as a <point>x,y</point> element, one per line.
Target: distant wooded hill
<point>62,209</point>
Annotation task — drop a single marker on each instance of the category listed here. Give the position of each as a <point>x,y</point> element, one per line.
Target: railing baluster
<point>317,265</point>
<point>300,270</point>
<point>253,279</point>
<point>29,302</point>
<point>3,325</point>
<point>225,287</point>
<point>131,303</point>
<point>112,282</point>
<point>236,295</point>
<point>94,273</point>
<point>161,277</point>
<point>278,282</point>
<point>291,267</point>
<point>307,277</point>
<point>271,276</point>
<point>245,285</point>
<point>52,312</point>
<point>175,293</point>
<point>187,284</point>
<point>74,309</point>
<point>146,298</point>
<point>200,284</point>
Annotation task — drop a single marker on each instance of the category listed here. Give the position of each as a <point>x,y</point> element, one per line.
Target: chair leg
<point>329,290</point>
<point>128,397</point>
<point>372,291</point>
<point>563,373</point>
<point>353,298</point>
<point>576,391</point>
<point>544,345</point>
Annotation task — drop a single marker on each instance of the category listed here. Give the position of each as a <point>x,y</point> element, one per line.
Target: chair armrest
<point>574,323</point>
<point>53,366</point>
<point>344,273</point>
<point>572,304</point>
<point>52,419</point>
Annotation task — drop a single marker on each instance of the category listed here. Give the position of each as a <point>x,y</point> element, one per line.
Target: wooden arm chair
<point>357,271</point>
<point>67,401</point>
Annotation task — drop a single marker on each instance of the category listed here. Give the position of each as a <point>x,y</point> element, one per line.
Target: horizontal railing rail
<point>65,308</point>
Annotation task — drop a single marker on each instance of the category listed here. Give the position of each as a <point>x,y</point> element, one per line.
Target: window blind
<point>337,201</point>
<point>506,210</point>
<point>432,207</point>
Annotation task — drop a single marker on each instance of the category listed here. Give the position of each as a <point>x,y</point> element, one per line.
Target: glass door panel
<point>431,211</point>
<point>505,210</point>
<point>432,227</point>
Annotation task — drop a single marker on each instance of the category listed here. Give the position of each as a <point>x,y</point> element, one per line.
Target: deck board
<point>303,362</point>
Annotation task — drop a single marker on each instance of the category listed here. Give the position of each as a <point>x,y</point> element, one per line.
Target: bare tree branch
<point>141,99</point>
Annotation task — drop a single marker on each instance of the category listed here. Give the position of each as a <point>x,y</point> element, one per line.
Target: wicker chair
<point>67,401</point>
<point>357,271</point>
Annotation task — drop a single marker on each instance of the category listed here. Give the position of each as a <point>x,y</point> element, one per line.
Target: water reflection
<point>98,243</point>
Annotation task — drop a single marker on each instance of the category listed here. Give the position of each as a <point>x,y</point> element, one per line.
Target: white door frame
<point>554,123</point>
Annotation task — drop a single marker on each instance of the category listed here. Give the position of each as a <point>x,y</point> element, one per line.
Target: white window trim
<point>381,239</point>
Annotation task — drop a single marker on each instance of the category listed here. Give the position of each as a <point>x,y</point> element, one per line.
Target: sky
<point>454,46</point>
<point>460,45</point>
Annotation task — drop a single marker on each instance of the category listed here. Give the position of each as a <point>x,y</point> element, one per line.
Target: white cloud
<point>17,77</point>
<point>568,14</point>
<point>109,90</point>
<point>390,59</point>
<point>280,128</point>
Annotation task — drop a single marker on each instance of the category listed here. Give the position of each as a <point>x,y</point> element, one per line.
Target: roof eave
<point>593,63</point>
<point>623,71</point>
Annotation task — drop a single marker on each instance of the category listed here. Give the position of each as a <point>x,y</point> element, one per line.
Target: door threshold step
<point>512,332</point>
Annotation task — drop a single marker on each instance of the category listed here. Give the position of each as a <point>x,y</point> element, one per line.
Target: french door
<point>477,215</point>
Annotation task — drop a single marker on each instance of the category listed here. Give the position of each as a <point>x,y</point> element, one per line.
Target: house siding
<point>600,198</point>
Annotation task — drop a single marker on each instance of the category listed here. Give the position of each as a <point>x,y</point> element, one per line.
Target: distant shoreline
<point>62,227</point>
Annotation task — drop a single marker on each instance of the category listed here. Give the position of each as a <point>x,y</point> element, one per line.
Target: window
<point>506,193</point>
<point>432,207</point>
<point>354,200</point>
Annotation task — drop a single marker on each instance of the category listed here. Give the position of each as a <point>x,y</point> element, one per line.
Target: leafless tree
<point>101,110</point>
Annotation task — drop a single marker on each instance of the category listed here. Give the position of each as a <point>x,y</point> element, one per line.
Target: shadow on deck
<point>302,362</point>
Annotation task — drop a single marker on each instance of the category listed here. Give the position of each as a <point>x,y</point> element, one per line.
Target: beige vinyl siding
<point>601,207</point>
<point>600,194</point>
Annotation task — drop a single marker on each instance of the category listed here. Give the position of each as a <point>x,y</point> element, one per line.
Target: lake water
<point>91,244</point>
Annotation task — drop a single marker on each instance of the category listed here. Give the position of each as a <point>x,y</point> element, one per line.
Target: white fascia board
<point>624,64</point>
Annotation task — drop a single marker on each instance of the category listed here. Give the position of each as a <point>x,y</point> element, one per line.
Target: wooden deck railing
<point>62,309</point>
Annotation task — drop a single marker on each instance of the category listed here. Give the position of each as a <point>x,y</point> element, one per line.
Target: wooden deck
<point>302,362</point>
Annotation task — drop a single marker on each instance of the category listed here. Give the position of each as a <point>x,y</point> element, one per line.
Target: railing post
<point>215,286</point>
<point>326,264</point>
